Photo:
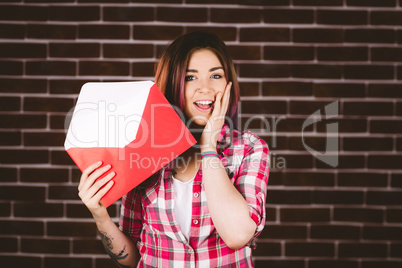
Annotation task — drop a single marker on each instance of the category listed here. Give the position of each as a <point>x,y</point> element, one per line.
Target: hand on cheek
<point>215,123</point>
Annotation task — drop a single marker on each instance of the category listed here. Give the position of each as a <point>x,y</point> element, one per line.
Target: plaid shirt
<point>147,212</point>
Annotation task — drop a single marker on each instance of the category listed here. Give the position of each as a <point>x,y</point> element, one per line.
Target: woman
<point>208,211</point>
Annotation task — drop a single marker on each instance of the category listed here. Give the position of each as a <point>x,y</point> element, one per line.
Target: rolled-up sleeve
<point>252,181</point>
<point>130,222</point>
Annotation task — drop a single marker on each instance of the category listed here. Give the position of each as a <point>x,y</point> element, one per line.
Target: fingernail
<point>99,162</point>
<point>112,173</point>
<point>108,166</point>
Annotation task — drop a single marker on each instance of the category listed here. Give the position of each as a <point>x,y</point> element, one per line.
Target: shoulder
<point>249,140</point>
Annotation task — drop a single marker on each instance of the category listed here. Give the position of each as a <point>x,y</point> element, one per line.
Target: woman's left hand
<point>215,123</point>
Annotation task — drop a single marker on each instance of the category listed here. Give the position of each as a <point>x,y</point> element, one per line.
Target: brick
<point>369,36</point>
<point>382,232</point>
<point>360,144</point>
<point>371,3</point>
<point>289,197</point>
<point>307,107</point>
<point>8,174</point>
<point>263,107</point>
<point>384,198</point>
<point>287,89</point>
<point>67,262</point>
<point>23,85</point>
<point>304,215</point>
<point>316,71</point>
<point>368,72</point>
<point>330,90</point>
<point>24,156</point>
<point>314,35</point>
<point>399,37</point>
<point>104,31</point>
<point>356,179</point>
<point>338,17</point>
<point>396,250</point>
<point>12,31</point>
<point>145,32</point>
<point>308,179</point>
<point>128,14</point>
<point>229,15</point>
<point>20,261</point>
<point>38,210</point>
<point>22,121</point>
<point>399,72</point>
<point>292,16</point>
<point>224,33</point>
<point>45,246</point>
<point>48,1</point>
<point>63,192</point>
<point>384,161</point>
<point>396,180</point>
<point>104,263</point>
<point>105,1</point>
<point>78,211</point>
<point>279,263</point>
<point>338,197</point>
<point>79,229</point>
<point>362,250</point>
<point>24,13</point>
<point>264,70</point>
<point>267,249</point>
<point>394,215</point>
<point>10,68</point>
<point>288,53</point>
<point>384,90</point>
<point>61,158</point>
<point>332,264</point>
<point>5,209</point>
<point>276,143</point>
<point>10,138</point>
<point>41,175</point>
<point>26,50</point>
<point>358,215</point>
<point>383,264</point>
<point>22,193</point>
<point>10,104</point>
<point>399,144</point>
<point>8,244</point>
<point>386,54</point>
<point>386,126</point>
<point>338,232</point>
<point>245,52</point>
<point>368,108</point>
<point>346,161</point>
<point>128,51</point>
<point>49,31</point>
<point>50,68</point>
<point>44,139</point>
<point>249,89</point>
<point>88,246</point>
<point>74,13</point>
<point>386,18</point>
<point>48,104</point>
<point>317,143</point>
<point>342,53</point>
<point>25,227</point>
<point>399,108</point>
<point>284,232</point>
<point>58,122</point>
<point>74,50</point>
<point>104,68</point>
<point>178,14</point>
<point>264,34</point>
<point>67,86</point>
<point>293,249</point>
<point>317,3</point>
<point>290,125</point>
<point>143,69</point>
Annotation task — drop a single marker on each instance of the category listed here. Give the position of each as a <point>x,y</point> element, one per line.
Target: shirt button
<point>195,222</point>
<point>196,194</point>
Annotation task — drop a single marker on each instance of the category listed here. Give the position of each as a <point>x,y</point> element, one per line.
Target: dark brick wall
<point>293,58</point>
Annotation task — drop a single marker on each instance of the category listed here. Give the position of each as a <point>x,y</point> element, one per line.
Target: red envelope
<point>129,125</point>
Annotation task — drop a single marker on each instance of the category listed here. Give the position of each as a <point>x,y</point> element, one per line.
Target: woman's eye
<point>216,76</point>
<point>189,78</point>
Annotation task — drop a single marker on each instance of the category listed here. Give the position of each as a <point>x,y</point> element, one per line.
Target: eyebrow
<point>210,70</point>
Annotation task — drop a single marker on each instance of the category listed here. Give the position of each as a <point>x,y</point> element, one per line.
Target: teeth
<point>204,102</point>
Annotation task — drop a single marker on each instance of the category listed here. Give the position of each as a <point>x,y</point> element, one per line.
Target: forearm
<point>119,247</point>
<point>228,208</point>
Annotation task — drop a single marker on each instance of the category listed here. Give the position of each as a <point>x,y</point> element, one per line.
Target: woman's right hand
<point>90,190</point>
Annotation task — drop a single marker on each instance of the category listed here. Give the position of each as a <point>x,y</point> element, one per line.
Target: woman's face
<point>205,77</point>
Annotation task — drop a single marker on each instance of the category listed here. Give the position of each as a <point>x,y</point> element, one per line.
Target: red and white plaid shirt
<point>147,212</point>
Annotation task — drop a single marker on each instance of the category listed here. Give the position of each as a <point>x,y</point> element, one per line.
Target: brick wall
<point>293,58</point>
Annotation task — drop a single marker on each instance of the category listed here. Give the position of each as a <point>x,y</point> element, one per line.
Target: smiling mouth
<point>205,105</point>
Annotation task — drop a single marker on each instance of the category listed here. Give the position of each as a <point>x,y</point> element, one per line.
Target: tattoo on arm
<point>107,243</point>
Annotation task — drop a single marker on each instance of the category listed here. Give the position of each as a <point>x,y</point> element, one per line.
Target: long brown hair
<point>171,70</point>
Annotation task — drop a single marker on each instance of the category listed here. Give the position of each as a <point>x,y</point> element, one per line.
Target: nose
<point>204,86</point>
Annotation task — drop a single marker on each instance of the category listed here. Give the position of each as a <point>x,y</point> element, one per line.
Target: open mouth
<point>204,105</point>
